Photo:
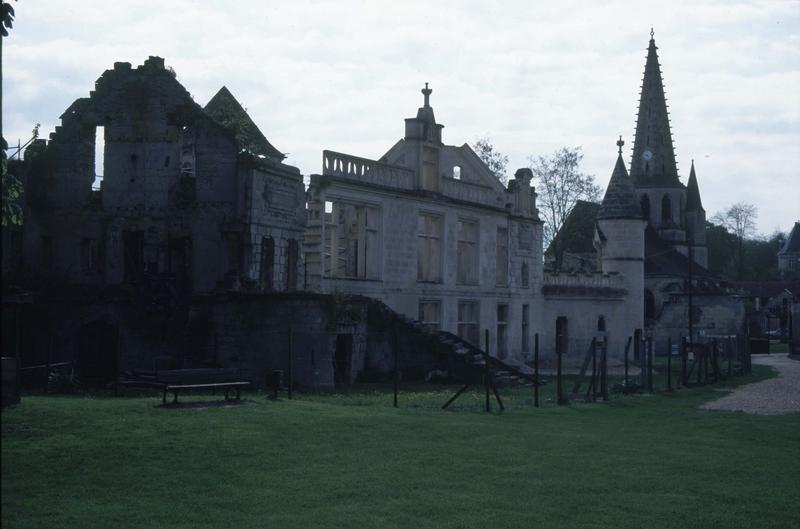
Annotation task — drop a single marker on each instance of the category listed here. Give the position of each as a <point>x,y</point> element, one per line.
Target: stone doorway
<point>342,359</point>
<point>97,357</point>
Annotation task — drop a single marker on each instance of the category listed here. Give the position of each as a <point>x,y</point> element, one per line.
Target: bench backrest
<point>198,376</point>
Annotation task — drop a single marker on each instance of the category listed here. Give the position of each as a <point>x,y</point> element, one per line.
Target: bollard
<point>604,372</point>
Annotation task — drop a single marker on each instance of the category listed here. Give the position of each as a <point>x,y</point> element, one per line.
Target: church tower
<point>654,171</point>
<point>620,240</point>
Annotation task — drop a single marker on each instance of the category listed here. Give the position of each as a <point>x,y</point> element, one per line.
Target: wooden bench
<point>175,380</point>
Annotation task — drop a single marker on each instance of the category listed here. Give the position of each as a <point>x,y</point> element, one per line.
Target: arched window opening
<point>666,209</point>
<point>457,172</point>
<point>649,305</point>
<point>645,205</point>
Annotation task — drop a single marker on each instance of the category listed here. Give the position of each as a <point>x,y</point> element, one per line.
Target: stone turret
<point>620,240</point>
<point>695,221</point>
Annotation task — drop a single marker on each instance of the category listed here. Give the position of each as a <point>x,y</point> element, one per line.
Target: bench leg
<point>175,392</point>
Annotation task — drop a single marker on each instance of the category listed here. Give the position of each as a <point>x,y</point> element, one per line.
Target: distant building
<point>789,254</point>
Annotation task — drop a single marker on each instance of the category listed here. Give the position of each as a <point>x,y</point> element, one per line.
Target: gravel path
<point>768,397</point>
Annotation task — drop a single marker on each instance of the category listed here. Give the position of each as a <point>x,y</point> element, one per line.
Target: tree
<point>494,160</point>
<point>11,187</point>
<point>739,220</point>
<point>560,185</point>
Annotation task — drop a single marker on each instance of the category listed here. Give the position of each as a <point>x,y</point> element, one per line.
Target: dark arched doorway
<point>649,305</point>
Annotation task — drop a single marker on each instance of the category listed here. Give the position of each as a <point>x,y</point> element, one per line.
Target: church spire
<point>653,162</point>
<point>693,202</point>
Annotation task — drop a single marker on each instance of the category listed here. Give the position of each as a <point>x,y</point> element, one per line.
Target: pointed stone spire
<point>653,162</point>
<point>619,201</point>
<point>693,202</point>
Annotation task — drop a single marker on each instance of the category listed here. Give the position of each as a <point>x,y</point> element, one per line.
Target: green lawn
<point>351,460</point>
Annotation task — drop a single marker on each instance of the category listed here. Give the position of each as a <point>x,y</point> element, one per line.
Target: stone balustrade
<point>365,170</point>
<point>470,192</point>
<point>584,280</point>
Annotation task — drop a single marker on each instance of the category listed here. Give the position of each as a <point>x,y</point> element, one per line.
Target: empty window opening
<point>99,156</point>
<point>166,161</point>
<point>352,241</point>
<point>467,258</point>
<point>645,204</point>
<point>90,256</point>
<point>429,248</point>
<point>525,279</point>
<point>457,172</point>
<point>649,305</point>
<point>328,206</point>
<point>292,259</point>
<point>430,314</point>
<point>666,209</point>
<point>468,321</point>
<point>501,257</point>
<point>502,330</point>
<point>601,324</point>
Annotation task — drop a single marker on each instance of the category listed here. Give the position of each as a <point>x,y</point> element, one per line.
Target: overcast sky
<point>531,76</point>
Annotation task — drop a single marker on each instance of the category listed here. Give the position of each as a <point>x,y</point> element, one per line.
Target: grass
<point>351,460</point>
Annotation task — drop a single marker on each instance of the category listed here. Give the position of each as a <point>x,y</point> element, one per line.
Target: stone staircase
<point>472,358</point>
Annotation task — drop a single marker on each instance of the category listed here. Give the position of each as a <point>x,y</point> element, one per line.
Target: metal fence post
<point>486,372</point>
<point>669,363</point>
<point>536,370</point>
<point>290,379</point>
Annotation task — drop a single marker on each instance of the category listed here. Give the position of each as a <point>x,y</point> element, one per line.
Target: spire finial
<point>620,143</point>
<point>652,33</point>
<point>427,93</point>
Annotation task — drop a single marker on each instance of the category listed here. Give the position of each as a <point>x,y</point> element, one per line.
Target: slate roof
<point>226,110</point>
<point>693,202</point>
<point>660,258</point>
<point>792,244</point>
<point>653,134</point>
<point>576,235</point>
<point>619,201</point>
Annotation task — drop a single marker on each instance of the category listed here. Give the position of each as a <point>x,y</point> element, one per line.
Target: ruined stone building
<point>186,200</point>
<point>429,230</point>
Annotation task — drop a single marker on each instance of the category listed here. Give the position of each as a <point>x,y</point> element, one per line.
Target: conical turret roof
<point>693,202</point>
<point>619,201</point>
<point>653,162</point>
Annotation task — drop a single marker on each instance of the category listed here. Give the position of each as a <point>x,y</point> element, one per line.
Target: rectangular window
<point>526,343</point>
<point>525,275</point>
<point>467,265</point>
<point>468,322</point>
<point>502,330</point>
<point>352,245</point>
<point>501,259</point>
<point>430,314</point>
<point>429,248</point>
<point>267,262</point>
